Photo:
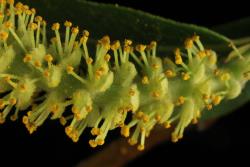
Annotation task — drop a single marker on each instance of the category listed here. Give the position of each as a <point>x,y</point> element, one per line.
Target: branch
<point>118,153</point>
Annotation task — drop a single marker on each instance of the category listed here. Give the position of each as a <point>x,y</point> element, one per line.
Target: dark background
<point>225,142</point>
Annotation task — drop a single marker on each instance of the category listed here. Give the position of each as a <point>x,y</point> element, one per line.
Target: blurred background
<point>222,142</point>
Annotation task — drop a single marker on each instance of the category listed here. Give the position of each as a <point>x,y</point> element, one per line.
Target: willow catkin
<point>41,78</point>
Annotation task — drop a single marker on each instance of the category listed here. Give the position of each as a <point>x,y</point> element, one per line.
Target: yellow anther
<point>7,78</point>
<point>54,108</point>
<point>174,138</point>
<point>107,57</point>
<point>85,33</point>
<point>102,69</point>
<point>196,38</point>
<point>23,87</point>
<point>201,54</point>
<point>2,1</point>
<point>188,43</point>
<point>69,69</point>
<point>2,119</point>
<point>95,131</point>
<point>75,110</point>
<point>1,15</point>
<point>8,24</point>
<point>205,97</point>
<point>67,24</point>
<point>18,5</point>
<point>129,107</point>
<point>209,106</point>
<point>194,121</point>
<point>92,143</point>
<point>46,73</point>
<point>38,19</point>
<point>208,52</point>
<point>155,66</point>
<point>145,80</point>
<point>127,49</point>
<point>142,129</point>
<point>140,147</point>
<point>27,58</point>
<point>31,128</point>
<point>128,42</point>
<point>156,94</point>
<point>185,76</point>
<point>75,30</point>
<point>169,74</point>
<point>48,58</point>
<point>78,116</point>
<point>29,113</point>
<point>125,131</point>
<point>13,118</point>
<point>198,114</point>
<point>33,10</point>
<point>131,92</point>
<point>89,108</point>
<point>74,136</point>
<point>140,48</point>
<point>152,44</point>
<point>225,76</point>
<point>19,11</point>
<point>167,125</point>
<point>25,120</point>
<point>63,121</point>
<point>100,142</point>
<point>216,100</point>
<point>68,130</point>
<point>11,2</point>
<point>177,52</point>
<point>55,26</point>
<point>44,23</point>
<point>132,141</point>
<point>246,75</point>
<point>37,63</point>
<point>2,104</point>
<point>158,117</point>
<point>7,12</point>
<point>212,60</point>
<point>98,74</point>
<point>3,35</point>
<point>85,37</point>
<point>145,118</point>
<point>139,115</point>
<point>178,58</point>
<point>33,26</point>
<point>115,45</point>
<point>28,12</point>
<point>12,101</point>
<point>105,42</point>
<point>25,7</point>
<point>89,60</point>
<point>217,72</point>
<point>180,100</point>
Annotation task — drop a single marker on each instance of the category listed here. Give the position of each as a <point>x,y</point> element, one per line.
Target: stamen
<point>56,27</point>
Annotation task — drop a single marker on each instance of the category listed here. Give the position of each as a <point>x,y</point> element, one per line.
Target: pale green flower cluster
<point>134,91</point>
